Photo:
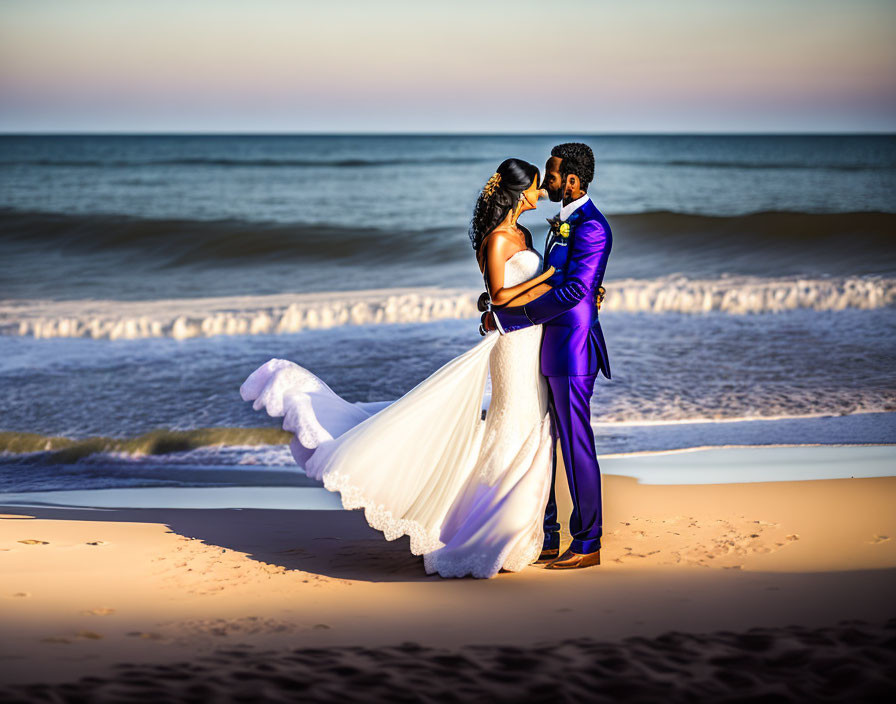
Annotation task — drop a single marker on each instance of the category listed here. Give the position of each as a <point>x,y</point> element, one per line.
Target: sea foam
<point>249,315</point>
<point>288,313</point>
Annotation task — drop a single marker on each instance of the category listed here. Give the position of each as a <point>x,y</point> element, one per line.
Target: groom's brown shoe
<point>572,560</point>
<point>547,555</point>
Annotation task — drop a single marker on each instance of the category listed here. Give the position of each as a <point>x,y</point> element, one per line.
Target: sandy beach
<point>704,591</point>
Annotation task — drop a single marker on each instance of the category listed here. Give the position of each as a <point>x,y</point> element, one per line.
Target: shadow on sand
<point>336,544</point>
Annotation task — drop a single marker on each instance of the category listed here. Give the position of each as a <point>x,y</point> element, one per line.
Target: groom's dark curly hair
<point>577,159</point>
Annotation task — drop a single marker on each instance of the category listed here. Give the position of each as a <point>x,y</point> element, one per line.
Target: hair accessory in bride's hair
<point>491,185</point>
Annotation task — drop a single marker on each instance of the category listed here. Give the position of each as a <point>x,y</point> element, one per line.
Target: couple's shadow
<point>330,543</point>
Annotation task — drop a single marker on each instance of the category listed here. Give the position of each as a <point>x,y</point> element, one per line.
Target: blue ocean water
<point>142,277</point>
<point>123,217</point>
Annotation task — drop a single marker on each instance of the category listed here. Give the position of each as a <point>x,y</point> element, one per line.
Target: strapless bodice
<point>522,266</point>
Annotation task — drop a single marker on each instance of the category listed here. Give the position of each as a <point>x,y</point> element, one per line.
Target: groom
<point>572,349</point>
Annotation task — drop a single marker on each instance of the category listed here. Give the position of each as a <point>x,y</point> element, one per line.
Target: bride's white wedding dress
<point>470,493</point>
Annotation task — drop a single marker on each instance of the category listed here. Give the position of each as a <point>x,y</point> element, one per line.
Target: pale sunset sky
<point>453,66</point>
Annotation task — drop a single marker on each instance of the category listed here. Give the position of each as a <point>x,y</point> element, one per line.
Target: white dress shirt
<point>570,208</point>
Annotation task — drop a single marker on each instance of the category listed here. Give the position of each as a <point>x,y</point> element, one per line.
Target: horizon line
<point>314,133</point>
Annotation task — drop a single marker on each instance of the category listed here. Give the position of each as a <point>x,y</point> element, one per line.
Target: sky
<point>576,66</point>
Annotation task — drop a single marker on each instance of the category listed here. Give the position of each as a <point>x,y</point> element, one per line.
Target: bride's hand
<point>486,323</point>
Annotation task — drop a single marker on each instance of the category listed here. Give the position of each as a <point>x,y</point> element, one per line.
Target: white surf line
<point>213,497</point>
<point>238,315</point>
<point>741,295</point>
<point>610,424</point>
<point>284,313</point>
<point>704,448</point>
<point>737,464</point>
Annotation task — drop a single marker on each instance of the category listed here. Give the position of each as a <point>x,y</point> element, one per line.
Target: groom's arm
<point>585,265</point>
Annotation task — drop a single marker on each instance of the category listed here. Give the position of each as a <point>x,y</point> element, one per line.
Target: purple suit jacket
<point>573,343</point>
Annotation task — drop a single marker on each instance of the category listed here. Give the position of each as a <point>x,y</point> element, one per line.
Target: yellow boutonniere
<point>563,230</point>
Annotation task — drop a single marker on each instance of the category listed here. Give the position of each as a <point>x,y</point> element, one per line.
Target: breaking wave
<point>250,315</point>
<point>289,313</point>
<point>759,241</point>
<point>749,295</point>
<point>57,449</point>
<point>208,243</point>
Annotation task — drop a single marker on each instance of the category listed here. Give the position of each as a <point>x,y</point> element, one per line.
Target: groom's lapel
<point>577,215</point>
<point>549,240</point>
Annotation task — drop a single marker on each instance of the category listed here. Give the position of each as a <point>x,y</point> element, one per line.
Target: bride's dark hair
<point>499,195</point>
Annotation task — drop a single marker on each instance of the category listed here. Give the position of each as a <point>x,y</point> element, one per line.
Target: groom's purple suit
<point>573,351</point>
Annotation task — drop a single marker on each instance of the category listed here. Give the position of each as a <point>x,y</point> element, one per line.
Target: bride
<point>470,492</point>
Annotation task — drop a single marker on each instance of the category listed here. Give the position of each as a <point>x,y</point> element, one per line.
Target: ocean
<point>751,291</point>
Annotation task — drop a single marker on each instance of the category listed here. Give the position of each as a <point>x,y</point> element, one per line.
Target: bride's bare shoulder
<point>502,239</point>
<point>497,244</point>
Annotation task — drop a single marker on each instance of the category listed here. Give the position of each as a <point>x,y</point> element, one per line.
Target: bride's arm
<point>521,293</point>
<point>585,269</point>
<point>498,250</point>
<point>538,289</point>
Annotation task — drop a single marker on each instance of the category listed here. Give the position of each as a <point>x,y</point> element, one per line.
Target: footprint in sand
<point>86,635</point>
<point>34,541</point>
<point>147,636</point>
<point>103,611</point>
